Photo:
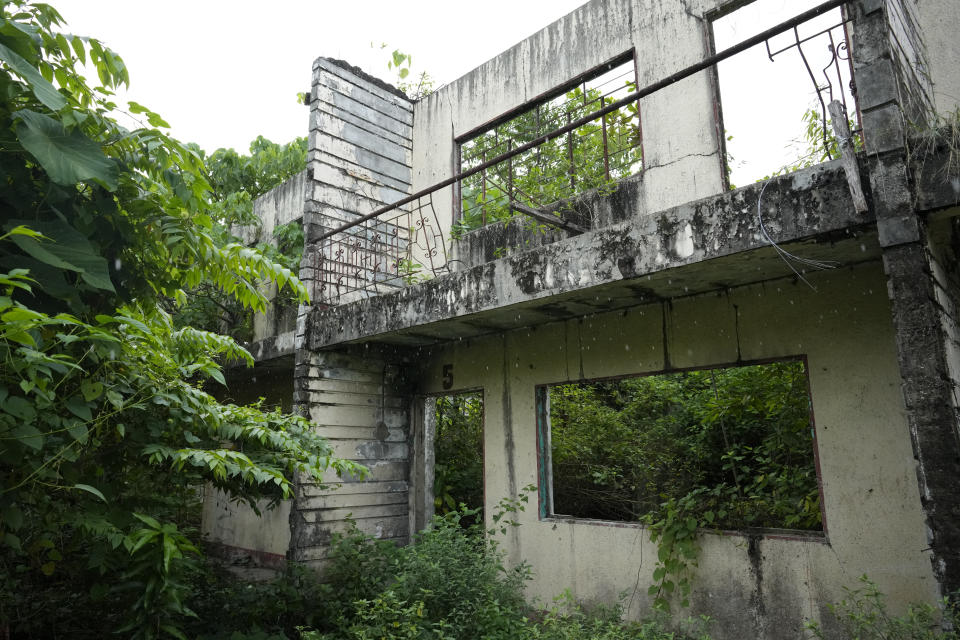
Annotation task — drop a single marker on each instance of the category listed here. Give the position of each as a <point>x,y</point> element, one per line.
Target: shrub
<point>863,615</point>
<point>450,582</point>
<point>229,608</point>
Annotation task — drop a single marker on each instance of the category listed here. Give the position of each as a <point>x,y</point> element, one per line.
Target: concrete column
<point>357,403</point>
<point>890,94</point>
<point>422,462</point>
<point>359,160</point>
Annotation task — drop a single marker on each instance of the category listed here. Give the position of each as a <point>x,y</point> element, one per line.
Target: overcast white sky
<point>222,72</point>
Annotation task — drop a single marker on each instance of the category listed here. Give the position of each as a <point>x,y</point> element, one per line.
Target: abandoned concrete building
<point>848,266</point>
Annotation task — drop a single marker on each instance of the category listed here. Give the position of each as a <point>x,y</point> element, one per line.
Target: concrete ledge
<point>272,347</point>
<point>704,245</point>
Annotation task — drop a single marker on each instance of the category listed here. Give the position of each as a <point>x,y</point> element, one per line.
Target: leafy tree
<point>235,182</point>
<point>105,428</point>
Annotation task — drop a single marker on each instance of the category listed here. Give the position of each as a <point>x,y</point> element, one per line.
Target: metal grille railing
<point>378,255</point>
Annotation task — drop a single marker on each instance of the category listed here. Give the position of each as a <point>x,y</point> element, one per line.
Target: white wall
<point>680,141</point>
<point>873,519</point>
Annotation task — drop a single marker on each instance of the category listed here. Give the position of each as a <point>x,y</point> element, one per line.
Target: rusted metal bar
<point>606,152</point>
<point>573,173</point>
<point>509,172</point>
<point>483,192</point>
<point>673,78</point>
<point>773,54</point>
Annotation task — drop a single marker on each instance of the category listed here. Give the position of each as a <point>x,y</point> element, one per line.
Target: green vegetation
<point>738,439</point>
<point>401,64</point>
<point>106,430</point>
<point>235,182</point>
<point>863,615</point>
<point>721,448</point>
<point>452,584</point>
<point>555,170</point>
<point>458,453</point>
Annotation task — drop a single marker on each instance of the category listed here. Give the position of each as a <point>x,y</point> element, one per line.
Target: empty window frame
<point>773,98</point>
<point>600,152</point>
<point>735,445</point>
<point>458,452</point>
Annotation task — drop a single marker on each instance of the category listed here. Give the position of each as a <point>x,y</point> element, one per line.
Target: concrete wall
<point>938,21</point>
<point>235,531</point>
<point>237,534</point>
<point>758,586</point>
<point>681,157</point>
<point>281,205</point>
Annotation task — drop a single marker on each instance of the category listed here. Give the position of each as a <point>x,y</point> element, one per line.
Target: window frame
<point>545,495</point>
<point>630,55</point>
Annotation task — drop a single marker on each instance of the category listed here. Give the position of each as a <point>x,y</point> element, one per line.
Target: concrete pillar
<point>359,160</point>
<point>423,433</point>
<point>890,94</point>
<point>357,402</point>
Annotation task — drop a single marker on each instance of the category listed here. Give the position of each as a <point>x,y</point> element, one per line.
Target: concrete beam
<point>711,243</point>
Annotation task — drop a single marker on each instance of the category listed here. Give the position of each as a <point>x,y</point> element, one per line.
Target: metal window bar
<point>591,157</point>
<point>831,72</point>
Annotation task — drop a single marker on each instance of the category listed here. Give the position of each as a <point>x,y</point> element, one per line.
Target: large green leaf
<point>67,157</point>
<point>45,91</point>
<point>69,250</point>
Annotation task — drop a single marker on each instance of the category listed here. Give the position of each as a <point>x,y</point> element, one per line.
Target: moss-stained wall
<point>758,586</point>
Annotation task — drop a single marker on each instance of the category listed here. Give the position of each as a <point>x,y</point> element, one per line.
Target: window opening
<point>458,453</point>
<point>735,445</point>
<point>596,154</point>
<point>775,98</point>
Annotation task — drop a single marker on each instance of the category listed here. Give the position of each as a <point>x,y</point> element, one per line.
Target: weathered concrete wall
<point>281,205</point>
<point>237,534</point>
<point>909,59</point>
<point>360,130</point>
<point>938,21</point>
<point>360,141</point>
<point>681,157</point>
<point>356,402</point>
<point>753,587</point>
<point>234,530</point>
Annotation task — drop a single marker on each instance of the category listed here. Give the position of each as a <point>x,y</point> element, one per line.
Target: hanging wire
<point>785,255</point>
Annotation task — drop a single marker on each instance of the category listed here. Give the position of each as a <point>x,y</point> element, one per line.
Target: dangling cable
<point>785,255</point>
